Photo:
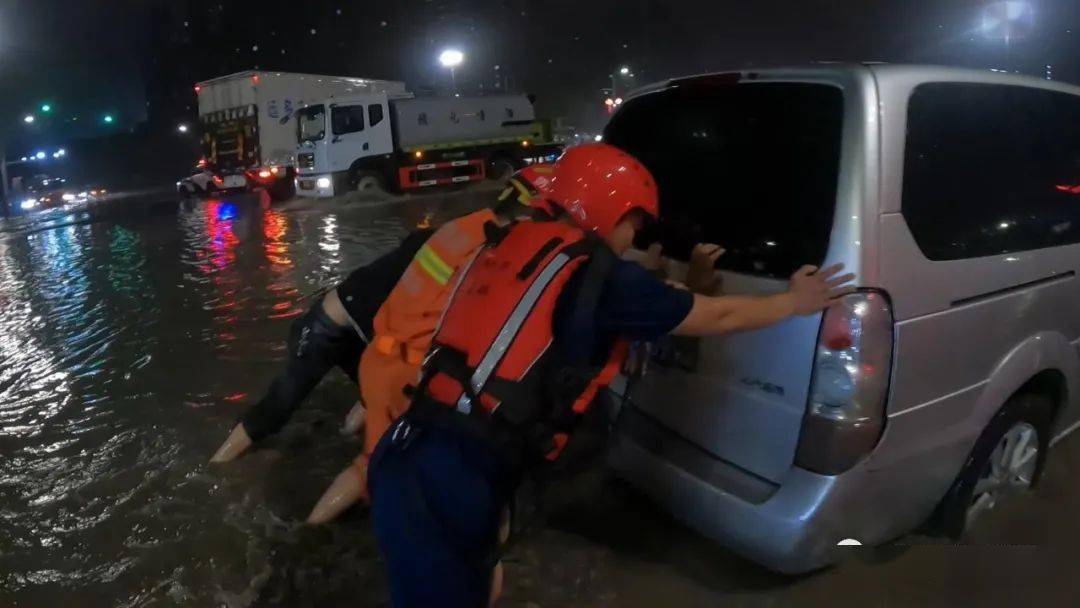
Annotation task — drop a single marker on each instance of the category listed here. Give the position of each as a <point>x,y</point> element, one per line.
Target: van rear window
<point>752,167</point>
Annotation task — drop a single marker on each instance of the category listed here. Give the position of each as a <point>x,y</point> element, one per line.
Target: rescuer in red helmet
<point>406,321</point>
<point>532,331</point>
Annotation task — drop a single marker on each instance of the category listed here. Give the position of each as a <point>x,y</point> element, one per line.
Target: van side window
<point>347,119</point>
<point>421,118</point>
<point>374,114</point>
<point>991,169</point>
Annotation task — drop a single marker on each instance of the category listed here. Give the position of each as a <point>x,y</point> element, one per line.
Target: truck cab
<point>336,134</point>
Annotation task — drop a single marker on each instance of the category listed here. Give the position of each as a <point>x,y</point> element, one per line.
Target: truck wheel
<point>368,183</point>
<point>1007,460</point>
<point>500,169</point>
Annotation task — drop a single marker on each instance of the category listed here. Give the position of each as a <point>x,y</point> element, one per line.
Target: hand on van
<point>811,290</point>
<point>701,276</point>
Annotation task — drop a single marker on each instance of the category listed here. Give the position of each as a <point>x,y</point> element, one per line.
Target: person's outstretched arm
<point>811,290</point>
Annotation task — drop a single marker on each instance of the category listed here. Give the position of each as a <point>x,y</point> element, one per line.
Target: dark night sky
<point>88,58</point>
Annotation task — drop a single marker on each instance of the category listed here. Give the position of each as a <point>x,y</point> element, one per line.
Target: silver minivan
<point>932,393</point>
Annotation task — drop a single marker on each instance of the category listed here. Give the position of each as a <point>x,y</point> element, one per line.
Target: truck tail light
<point>846,411</point>
<point>198,89</point>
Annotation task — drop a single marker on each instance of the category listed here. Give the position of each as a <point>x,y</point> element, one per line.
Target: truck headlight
<point>323,182</point>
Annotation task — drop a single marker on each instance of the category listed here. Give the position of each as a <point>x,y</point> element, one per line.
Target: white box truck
<point>387,141</point>
<point>247,122</point>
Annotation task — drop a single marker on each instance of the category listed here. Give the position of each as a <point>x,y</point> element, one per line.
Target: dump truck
<point>389,141</point>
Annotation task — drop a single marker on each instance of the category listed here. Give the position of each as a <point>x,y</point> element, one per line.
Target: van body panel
<point>968,334</point>
<point>743,399</point>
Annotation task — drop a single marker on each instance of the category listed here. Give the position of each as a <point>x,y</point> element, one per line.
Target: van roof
<point>881,71</point>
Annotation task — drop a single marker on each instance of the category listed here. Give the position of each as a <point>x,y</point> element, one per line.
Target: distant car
<point>45,191</point>
<point>204,181</point>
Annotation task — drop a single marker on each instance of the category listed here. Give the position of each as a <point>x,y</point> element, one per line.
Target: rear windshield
<point>752,167</point>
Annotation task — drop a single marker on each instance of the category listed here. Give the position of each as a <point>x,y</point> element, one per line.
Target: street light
<point>625,72</point>
<point>451,58</point>
<point>108,118</point>
<point>182,128</point>
<point>1008,20</point>
<point>28,119</point>
<point>46,108</point>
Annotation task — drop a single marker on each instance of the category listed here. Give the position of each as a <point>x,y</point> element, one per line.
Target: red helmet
<point>598,184</point>
<point>529,183</point>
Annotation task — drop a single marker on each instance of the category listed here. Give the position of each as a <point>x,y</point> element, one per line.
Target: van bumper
<point>790,527</point>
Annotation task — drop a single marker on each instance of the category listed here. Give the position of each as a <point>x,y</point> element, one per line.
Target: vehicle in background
<point>935,390</point>
<point>47,192</point>
<point>247,126</point>
<point>392,141</point>
<point>204,181</point>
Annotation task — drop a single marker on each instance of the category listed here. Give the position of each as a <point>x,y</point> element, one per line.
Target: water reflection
<point>275,228</point>
<point>329,243</point>
<point>127,347</point>
<point>219,227</point>
<point>33,387</point>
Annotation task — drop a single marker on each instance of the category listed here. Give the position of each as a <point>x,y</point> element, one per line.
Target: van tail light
<point>846,413</point>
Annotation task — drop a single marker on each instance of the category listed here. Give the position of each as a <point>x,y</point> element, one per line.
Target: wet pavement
<point>131,339</point>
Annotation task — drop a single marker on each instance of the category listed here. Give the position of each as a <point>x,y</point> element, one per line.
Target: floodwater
<point>127,350</point>
<point>130,343</point>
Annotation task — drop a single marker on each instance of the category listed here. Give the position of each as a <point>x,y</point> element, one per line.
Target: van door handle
<point>366,146</point>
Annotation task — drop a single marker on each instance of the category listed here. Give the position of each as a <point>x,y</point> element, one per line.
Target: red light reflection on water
<point>274,230</point>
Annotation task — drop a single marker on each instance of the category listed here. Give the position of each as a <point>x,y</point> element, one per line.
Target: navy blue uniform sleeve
<point>637,306</point>
<point>634,305</point>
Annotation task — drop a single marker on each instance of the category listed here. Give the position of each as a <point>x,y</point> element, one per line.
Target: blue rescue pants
<point>437,493</point>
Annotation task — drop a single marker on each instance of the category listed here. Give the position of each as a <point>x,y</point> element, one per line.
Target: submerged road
<point>131,339</point>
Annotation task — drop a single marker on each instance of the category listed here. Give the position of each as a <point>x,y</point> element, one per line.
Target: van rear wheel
<point>1006,461</point>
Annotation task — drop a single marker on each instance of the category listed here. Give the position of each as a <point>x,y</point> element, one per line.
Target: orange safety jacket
<point>492,355</point>
<point>407,319</point>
